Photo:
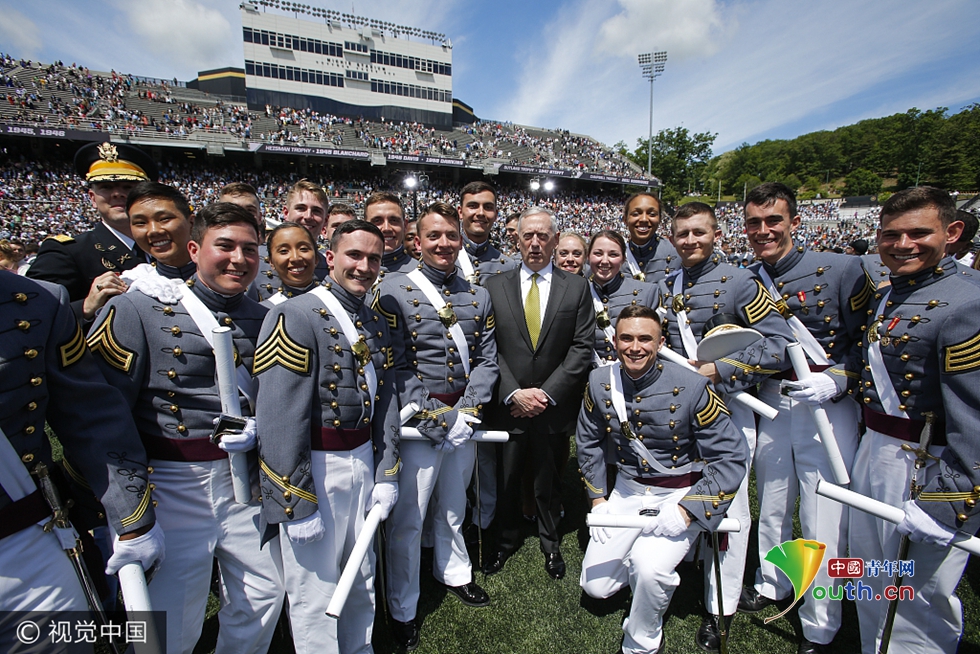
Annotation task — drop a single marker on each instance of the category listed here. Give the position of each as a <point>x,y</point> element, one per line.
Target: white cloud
<point>18,33</point>
<point>688,28</point>
<point>187,34</point>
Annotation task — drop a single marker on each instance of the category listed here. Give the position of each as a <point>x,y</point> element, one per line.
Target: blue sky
<point>745,69</point>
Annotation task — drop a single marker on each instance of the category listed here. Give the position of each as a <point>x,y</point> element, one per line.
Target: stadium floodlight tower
<point>652,66</point>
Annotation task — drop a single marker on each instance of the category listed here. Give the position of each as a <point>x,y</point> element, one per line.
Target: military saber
<point>887,512</point>
<point>921,454</point>
<point>479,436</point>
<point>722,622</point>
<point>357,554</point>
<point>628,521</point>
<point>826,430</point>
<point>224,360</point>
<point>750,401</point>
<point>70,543</point>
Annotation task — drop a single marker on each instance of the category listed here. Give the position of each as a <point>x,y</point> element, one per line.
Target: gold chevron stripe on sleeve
<point>74,474</point>
<point>710,412</point>
<point>285,485</point>
<point>103,341</point>
<point>758,370</point>
<point>947,497</point>
<point>707,498</point>
<point>280,349</point>
<point>589,404</point>
<point>962,356</point>
<point>72,351</point>
<point>490,323</point>
<point>597,491</point>
<point>391,472</point>
<point>390,317</point>
<point>760,306</point>
<point>137,515</point>
<point>840,372</point>
<point>860,299</point>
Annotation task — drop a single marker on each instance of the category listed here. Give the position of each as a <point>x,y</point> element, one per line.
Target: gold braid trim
<point>285,485</point>
<point>103,341</point>
<point>72,351</point>
<point>137,515</point>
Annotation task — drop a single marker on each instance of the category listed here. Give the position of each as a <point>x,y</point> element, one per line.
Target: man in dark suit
<point>545,325</point>
<point>88,265</point>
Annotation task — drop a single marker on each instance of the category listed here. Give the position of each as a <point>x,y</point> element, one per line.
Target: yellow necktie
<point>532,311</point>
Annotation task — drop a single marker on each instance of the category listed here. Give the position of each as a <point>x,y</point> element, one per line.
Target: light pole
<point>535,186</point>
<point>652,67</point>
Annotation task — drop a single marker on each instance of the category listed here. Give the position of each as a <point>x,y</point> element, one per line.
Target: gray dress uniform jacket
<point>829,293</point>
<point>679,419</point>
<point>155,354</point>
<point>619,293</point>
<point>310,379</point>
<point>428,363</point>
<point>929,340</point>
<point>46,373</point>
<point>713,287</point>
<point>399,261</point>
<point>656,258</point>
<point>487,260</point>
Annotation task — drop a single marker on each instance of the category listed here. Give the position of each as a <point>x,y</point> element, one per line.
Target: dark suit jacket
<point>559,365</point>
<point>76,262</point>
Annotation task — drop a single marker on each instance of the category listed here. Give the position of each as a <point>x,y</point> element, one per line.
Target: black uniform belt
<point>182,449</point>
<point>328,439</point>
<point>449,399</point>
<point>23,513</point>
<point>790,374</point>
<point>905,429</point>
<point>671,481</point>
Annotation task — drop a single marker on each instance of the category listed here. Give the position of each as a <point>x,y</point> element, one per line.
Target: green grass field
<point>532,614</point>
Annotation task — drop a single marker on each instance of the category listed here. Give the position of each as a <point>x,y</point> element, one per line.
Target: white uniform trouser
<point>428,473</point>
<point>933,620</point>
<point>201,521</point>
<point>789,459</point>
<point>344,481</point>
<point>35,575</point>
<point>647,563</point>
<point>732,559</point>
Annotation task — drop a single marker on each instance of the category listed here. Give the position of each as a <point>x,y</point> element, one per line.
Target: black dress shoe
<point>554,564</point>
<point>406,633</point>
<point>708,637</point>
<point>493,563</point>
<point>470,594</point>
<point>751,601</point>
<point>806,647</point>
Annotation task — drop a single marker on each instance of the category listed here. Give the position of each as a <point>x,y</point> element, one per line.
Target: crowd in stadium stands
<point>73,96</point>
<point>42,198</point>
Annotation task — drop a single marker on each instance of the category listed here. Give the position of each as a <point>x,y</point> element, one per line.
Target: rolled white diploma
<point>627,521</point>
<point>361,545</point>
<point>224,361</point>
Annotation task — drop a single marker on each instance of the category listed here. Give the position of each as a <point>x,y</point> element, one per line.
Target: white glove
<point>600,534</point>
<point>461,431</point>
<point>305,530</point>
<point>815,389</point>
<point>147,550</point>
<point>669,524</point>
<point>385,493</point>
<point>923,528</point>
<point>144,278</point>
<point>235,441</point>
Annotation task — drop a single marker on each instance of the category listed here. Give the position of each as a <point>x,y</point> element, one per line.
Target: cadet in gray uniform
<point>160,219</point>
<point>384,210</point>
<point>612,291</point>
<point>245,196</point>
<point>306,204</point>
<point>328,415</point>
<point>921,358</point>
<point>679,458</point>
<point>49,375</point>
<point>824,297</point>
<point>446,359</point>
<point>703,291</point>
<point>293,254</point>
<point>159,356</point>
<point>479,258</point>
<point>649,258</point>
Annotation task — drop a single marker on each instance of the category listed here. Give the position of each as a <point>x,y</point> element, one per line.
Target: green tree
<point>863,182</point>
<point>679,159</point>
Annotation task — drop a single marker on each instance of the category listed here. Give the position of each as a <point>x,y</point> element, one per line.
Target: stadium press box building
<point>346,65</point>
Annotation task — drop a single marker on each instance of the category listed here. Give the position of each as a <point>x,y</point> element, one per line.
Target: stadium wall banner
<point>51,132</point>
<point>576,174</point>
<point>311,151</point>
<point>424,159</point>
